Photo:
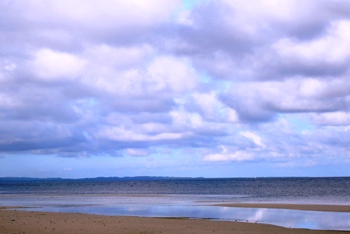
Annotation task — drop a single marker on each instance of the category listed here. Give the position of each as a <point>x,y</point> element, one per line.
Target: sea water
<point>189,198</point>
<point>290,190</point>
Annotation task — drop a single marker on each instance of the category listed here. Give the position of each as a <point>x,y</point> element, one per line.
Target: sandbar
<point>29,222</point>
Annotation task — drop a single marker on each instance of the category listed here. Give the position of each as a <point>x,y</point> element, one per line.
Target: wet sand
<point>12,221</point>
<point>313,207</point>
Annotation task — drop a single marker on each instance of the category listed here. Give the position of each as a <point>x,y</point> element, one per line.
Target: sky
<point>223,88</point>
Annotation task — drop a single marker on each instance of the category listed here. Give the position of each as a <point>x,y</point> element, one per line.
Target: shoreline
<point>30,222</point>
<point>305,207</point>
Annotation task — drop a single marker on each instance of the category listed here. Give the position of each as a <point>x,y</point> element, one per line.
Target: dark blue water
<point>314,190</point>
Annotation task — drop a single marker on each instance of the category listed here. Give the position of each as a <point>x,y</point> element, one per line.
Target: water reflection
<point>286,218</point>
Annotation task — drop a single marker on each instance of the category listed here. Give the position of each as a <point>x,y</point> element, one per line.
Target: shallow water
<point>280,217</point>
<point>190,198</point>
<point>189,206</point>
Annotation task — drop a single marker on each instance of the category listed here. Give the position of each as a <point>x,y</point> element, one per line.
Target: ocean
<point>188,198</point>
<point>333,190</point>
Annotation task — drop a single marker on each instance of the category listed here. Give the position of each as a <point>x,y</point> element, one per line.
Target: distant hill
<point>96,179</point>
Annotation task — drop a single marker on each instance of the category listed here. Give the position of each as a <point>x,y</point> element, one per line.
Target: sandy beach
<point>14,221</point>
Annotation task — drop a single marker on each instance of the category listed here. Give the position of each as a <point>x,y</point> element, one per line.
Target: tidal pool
<point>281,217</point>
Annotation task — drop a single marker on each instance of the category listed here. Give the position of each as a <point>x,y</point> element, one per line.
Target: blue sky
<point>206,88</point>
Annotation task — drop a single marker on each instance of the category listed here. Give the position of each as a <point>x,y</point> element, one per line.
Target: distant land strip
<point>148,178</point>
<point>96,179</point>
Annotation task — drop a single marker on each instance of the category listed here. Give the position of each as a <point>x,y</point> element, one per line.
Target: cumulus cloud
<point>222,79</point>
<point>50,65</point>
<point>254,137</point>
<point>318,56</point>
<point>225,156</point>
<point>332,118</point>
<point>136,152</point>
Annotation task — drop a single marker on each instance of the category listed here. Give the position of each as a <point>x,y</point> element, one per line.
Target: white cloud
<point>10,67</point>
<point>170,73</point>
<point>321,50</point>
<point>208,103</point>
<point>52,65</point>
<point>136,72</point>
<point>237,156</point>
<point>7,101</point>
<point>212,109</point>
<point>136,152</point>
<point>264,10</point>
<point>96,15</point>
<point>292,95</point>
<point>183,119</point>
<point>126,135</point>
<point>184,17</point>
<point>254,137</point>
<point>232,115</point>
<point>332,118</point>
<point>103,57</point>
<point>312,87</point>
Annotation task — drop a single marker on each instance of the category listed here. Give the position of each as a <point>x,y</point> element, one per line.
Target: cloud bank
<point>219,79</point>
